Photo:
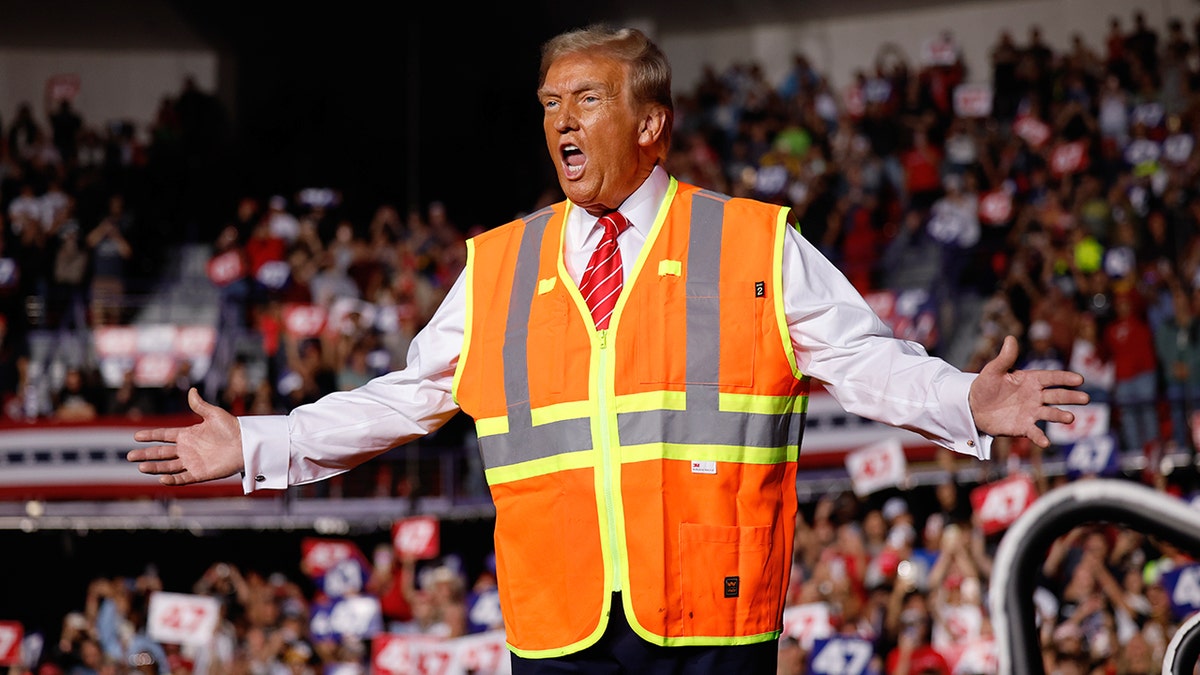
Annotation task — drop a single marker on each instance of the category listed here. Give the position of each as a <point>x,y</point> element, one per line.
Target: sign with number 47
<point>178,618</point>
<point>11,634</point>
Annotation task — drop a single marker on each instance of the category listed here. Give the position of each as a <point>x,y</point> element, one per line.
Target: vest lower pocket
<point>727,586</point>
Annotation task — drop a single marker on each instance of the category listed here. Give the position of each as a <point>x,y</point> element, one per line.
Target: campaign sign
<point>226,268</point>
<point>483,610</point>
<point>1091,420</point>
<point>840,655</point>
<point>1183,588</point>
<point>317,556</point>
<point>973,100</point>
<point>11,634</point>
<point>807,623</point>
<point>416,537</point>
<point>1032,130</point>
<point>999,504</point>
<point>483,653</point>
<point>1093,456</point>
<point>302,321</point>
<point>391,654</point>
<point>996,207</point>
<point>180,618</point>
<point>979,657</point>
<point>360,617</point>
<point>345,577</point>
<point>877,466</point>
<point>1069,158</point>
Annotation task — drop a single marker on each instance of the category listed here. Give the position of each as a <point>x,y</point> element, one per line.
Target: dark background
<point>437,103</point>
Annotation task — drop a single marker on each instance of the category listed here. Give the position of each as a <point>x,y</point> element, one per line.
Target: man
<point>640,453</point>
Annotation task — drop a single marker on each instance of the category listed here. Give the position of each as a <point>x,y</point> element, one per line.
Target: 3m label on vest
<point>699,466</point>
<point>731,587</point>
<point>760,289</point>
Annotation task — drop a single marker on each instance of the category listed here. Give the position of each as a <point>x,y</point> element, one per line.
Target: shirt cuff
<point>266,448</point>
<point>965,438</point>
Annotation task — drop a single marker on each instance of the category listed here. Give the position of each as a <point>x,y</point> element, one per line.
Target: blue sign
<point>1183,587</point>
<point>840,655</point>
<point>1094,456</point>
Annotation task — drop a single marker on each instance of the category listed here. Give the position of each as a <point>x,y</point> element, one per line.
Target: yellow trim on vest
<point>546,285</point>
<point>733,454</point>
<point>651,400</point>
<point>569,410</point>
<point>540,467</point>
<point>755,403</point>
<point>469,295</point>
<point>694,640</point>
<point>780,314</point>
<point>672,268</point>
<point>491,426</point>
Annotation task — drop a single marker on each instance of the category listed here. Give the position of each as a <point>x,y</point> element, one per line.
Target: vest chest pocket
<point>547,326</point>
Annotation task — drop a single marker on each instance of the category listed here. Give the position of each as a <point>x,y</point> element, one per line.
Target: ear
<point>653,123</point>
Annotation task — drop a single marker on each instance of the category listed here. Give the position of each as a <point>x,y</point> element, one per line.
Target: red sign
<point>318,555</point>
<point>1069,158</point>
<point>153,370</point>
<point>973,100</point>
<point>999,504</point>
<point>996,207</point>
<point>1032,130</point>
<point>416,537</point>
<point>303,321</point>
<point>11,635</point>
<point>116,340</point>
<point>226,268</point>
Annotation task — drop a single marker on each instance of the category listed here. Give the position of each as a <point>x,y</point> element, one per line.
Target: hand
<point>1008,403</point>
<point>206,451</point>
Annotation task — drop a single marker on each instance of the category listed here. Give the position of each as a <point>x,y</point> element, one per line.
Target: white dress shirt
<point>837,338</point>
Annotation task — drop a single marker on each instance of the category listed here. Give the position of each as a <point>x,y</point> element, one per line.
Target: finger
<point>181,478</point>
<point>1064,397</point>
<point>1058,378</point>
<point>199,405</point>
<point>1005,360</point>
<point>1056,415</point>
<point>1038,437</point>
<point>171,466</point>
<point>168,435</point>
<point>155,453</point>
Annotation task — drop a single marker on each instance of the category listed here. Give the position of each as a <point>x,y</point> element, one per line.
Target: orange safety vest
<point>657,457</point>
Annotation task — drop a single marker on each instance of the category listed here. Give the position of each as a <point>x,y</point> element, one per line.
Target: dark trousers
<point>620,651</point>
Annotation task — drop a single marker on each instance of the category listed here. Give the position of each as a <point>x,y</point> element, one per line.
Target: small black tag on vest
<point>760,289</point>
<point>731,587</point>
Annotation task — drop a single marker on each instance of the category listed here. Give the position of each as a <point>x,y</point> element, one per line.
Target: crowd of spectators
<point>1067,209</point>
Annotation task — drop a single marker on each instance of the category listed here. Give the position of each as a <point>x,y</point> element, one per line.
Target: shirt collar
<point>640,208</point>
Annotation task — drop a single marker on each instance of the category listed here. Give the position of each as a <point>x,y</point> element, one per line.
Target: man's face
<point>594,131</point>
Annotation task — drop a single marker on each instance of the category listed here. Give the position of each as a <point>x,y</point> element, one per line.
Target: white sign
<point>1090,420</point>
<point>178,618</point>
<point>877,466</point>
<point>807,622</point>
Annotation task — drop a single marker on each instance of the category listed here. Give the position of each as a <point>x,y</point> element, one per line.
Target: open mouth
<point>573,161</point>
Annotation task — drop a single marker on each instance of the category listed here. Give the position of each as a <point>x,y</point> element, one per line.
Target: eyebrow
<point>582,87</point>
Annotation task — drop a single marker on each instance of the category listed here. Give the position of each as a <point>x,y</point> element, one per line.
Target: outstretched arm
<point>206,451</point>
<point>1008,402</point>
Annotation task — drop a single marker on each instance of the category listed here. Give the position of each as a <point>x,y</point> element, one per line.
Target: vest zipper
<point>606,454</point>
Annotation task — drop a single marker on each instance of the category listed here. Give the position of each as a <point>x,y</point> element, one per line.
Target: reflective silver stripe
<point>548,440</point>
<point>521,443</point>
<point>709,427</point>
<point>703,301</point>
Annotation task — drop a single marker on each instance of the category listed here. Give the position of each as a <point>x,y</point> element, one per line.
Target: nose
<point>564,118</point>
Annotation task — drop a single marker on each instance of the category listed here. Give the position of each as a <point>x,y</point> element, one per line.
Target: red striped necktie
<point>601,282</point>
